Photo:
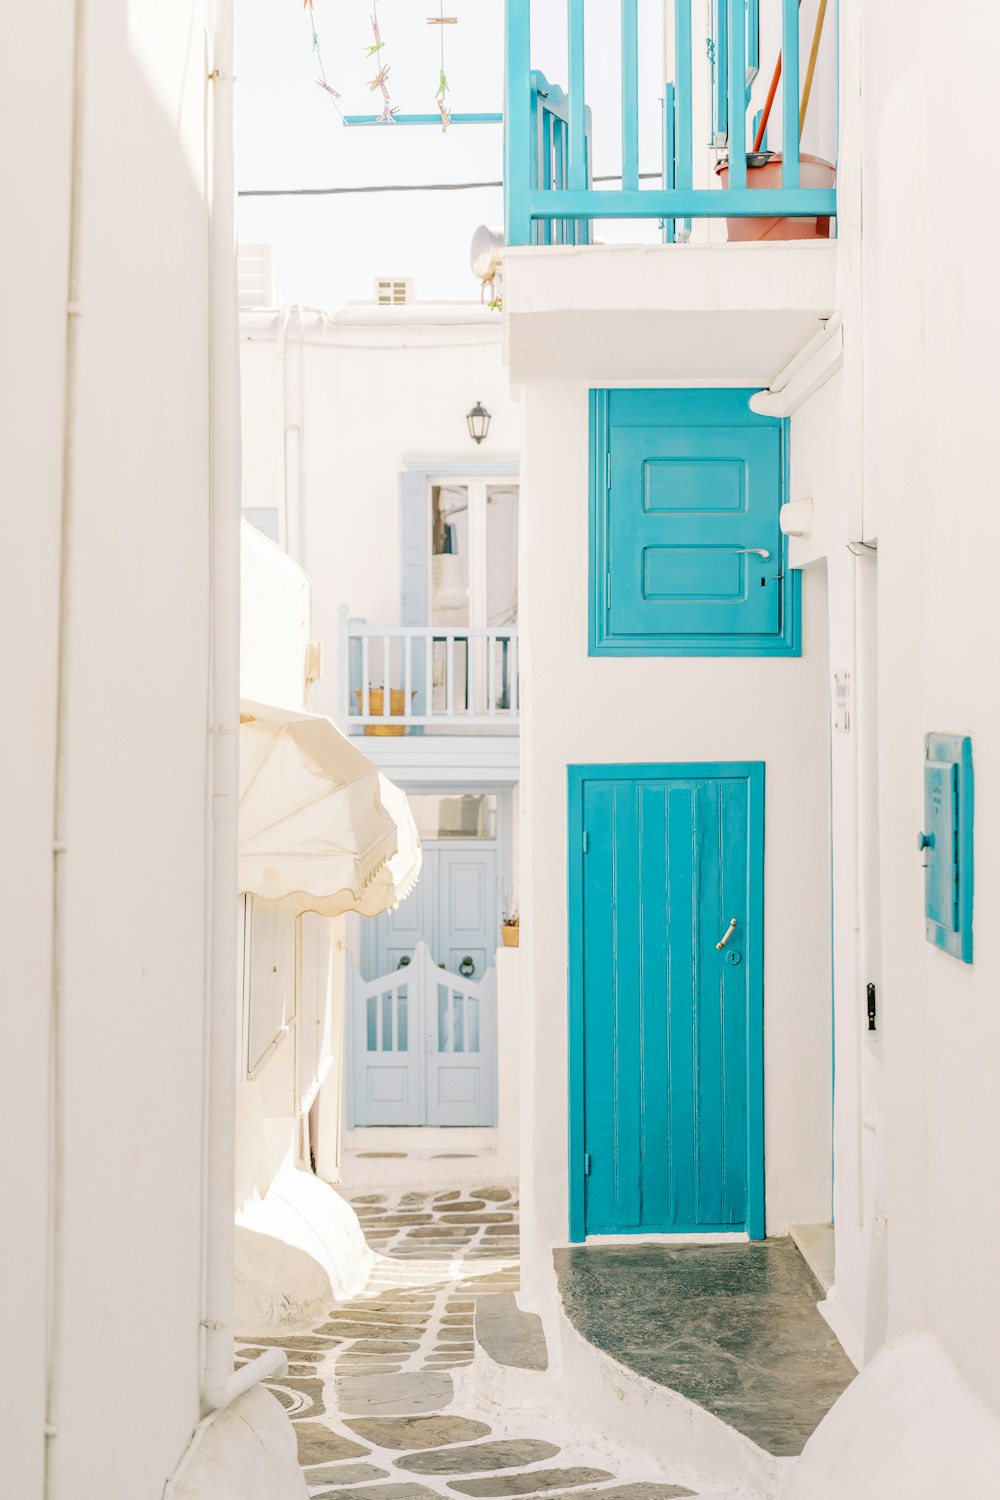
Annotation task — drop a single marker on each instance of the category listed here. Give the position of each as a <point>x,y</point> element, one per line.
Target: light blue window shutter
<point>414,562</point>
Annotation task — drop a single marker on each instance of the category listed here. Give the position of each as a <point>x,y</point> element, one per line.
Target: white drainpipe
<point>221,1384</point>
<point>57,1027</point>
<point>292,388</point>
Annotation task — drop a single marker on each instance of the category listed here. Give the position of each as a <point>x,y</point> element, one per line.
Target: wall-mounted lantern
<point>479,422</point>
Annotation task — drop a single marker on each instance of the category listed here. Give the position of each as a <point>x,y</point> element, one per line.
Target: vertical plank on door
<point>600,1065</point>
<point>737,1043</point>
<point>714,838</point>
<point>655,1125</point>
<point>682,980</point>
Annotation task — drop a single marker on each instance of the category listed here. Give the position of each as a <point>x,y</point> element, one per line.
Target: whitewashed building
<point>757,542</point>
<point>122,1106</point>
<point>360,460</point>
<point>120,456</point>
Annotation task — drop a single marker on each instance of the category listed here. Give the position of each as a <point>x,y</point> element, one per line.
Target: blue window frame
<point>686,554</point>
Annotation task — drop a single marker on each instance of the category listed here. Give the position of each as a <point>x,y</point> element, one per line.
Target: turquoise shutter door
<point>694,542</point>
<point>687,557</point>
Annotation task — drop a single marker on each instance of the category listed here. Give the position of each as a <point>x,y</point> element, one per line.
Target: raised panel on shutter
<point>687,556</point>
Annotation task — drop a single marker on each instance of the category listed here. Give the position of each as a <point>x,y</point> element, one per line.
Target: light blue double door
<point>424,1041</point>
<point>454,910</point>
<point>666,1002</point>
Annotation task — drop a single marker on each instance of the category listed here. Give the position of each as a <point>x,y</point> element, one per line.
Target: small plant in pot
<point>510,922</point>
<point>510,930</point>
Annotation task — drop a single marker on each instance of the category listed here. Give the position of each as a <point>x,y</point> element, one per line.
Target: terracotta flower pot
<point>813,173</point>
<point>510,933</point>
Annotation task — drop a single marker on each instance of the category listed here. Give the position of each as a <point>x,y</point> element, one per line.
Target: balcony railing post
<point>577,94</point>
<point>790,174</point>
<point>518,169</point>
<point>737,27</point>
<point>630,95</point>
<point>684,152</point>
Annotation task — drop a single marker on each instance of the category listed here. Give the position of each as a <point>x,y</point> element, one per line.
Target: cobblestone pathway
<point>371,1390</point>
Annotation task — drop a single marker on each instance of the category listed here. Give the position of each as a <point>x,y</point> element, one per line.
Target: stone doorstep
<point>734,1328</point>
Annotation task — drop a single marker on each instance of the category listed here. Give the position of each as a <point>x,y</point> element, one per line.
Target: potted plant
<point>376,705</point>
<point>510,922</point>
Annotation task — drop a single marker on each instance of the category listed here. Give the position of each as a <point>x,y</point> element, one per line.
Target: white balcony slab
<point>483,760</point>
<point>715,314</point>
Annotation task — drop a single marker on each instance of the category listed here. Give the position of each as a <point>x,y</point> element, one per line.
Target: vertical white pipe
<point>60,832</point>
<point>293,375</point>
<point>220,1383</point>
<point>224,461</point>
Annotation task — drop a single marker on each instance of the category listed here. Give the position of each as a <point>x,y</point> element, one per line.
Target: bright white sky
<point>328,250</point>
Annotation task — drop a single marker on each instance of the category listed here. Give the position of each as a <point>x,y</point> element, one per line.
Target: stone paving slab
<point>319,1445</point>
<point>408,1433</point>
<point>534,1483</point>
<point>344,1474</point>
<point>394,1395</point>
<point>372,1330</point>
<point>397,1491</point>
<point>512,1453</point>
<point>641,1491</point>
<point>509,1336</point>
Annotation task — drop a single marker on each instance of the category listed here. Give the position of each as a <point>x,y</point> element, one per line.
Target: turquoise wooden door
<point>666,999</point>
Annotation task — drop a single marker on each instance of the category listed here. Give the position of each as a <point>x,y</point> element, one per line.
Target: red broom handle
<point>766,111</point>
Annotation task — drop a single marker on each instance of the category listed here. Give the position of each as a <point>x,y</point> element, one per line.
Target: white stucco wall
<point>274,623</point>
<point>129,1212</point>
<point>931,398</point>
<point>581,709</point>
<point>34,185</point>
<point>345,398</point>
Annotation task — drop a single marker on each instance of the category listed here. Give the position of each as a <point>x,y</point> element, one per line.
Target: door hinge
<point>586,841</point>
<point>586,1164</point>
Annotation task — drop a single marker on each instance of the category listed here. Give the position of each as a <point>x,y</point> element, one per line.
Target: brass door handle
<point>724,939</point>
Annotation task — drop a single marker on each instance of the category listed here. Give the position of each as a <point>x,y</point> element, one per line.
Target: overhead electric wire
<point>395,187</point>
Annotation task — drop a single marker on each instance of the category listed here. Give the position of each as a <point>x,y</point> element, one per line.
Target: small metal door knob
<point>467,967</point>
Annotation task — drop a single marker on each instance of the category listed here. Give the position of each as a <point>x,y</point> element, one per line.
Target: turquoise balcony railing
<point>549,184</point>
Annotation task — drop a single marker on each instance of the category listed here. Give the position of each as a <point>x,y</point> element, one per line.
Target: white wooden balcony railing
<point>400,679</point>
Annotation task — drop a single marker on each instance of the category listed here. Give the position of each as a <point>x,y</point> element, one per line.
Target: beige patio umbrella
<point>321,829</point>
